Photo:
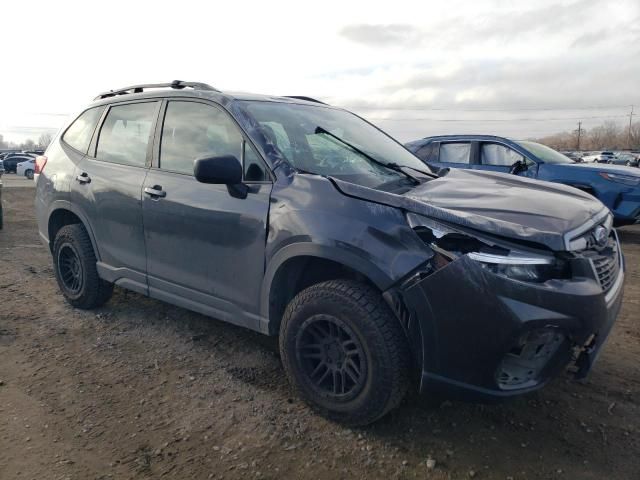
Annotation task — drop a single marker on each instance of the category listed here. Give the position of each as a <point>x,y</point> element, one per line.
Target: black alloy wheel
<point>332,357</point>
<point>70,267</point>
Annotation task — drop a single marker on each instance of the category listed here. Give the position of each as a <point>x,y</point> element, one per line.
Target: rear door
<point>107,187</point>
<point>205,244</point>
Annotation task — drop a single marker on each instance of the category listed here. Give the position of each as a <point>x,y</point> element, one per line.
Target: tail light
<point>41,161</point>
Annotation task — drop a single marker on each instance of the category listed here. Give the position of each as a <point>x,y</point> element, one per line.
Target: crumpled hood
<point>497,203</point>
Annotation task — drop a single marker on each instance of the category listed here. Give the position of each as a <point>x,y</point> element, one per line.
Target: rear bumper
<point>464,324</point>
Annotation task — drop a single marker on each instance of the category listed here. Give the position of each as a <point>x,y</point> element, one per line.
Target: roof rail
<point>302,97</point>
<point>176,84</point>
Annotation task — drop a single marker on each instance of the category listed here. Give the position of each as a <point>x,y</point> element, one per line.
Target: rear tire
<point>345,352</point>
<point>29,174</point>
<point>74,264</point>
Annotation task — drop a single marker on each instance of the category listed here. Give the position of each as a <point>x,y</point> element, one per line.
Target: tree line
<point>607,136</point>
<point>29,144</point>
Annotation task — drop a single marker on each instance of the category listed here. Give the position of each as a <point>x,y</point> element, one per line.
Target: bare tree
<point>607,136</point>
<point>44,140</point>
<point>633,136</point>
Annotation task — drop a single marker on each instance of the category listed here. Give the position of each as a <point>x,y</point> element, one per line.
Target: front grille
<point>606,264</point>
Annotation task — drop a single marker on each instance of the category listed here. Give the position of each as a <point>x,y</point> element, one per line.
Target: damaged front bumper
<point>479,335</point>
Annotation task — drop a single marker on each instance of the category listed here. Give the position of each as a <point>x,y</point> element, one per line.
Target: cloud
<point>499,24</point>
<point>382,35</point>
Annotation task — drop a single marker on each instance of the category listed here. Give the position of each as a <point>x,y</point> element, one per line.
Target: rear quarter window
<point>79,133</point>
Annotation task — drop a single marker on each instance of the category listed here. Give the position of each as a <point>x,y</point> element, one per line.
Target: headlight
<point>630,180</point>
<point>536,269</point>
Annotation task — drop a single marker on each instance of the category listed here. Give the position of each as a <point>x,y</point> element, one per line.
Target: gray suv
<point>297,219</point>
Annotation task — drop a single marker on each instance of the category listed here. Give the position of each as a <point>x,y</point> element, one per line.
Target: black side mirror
<point>224,170</point>
<point>517,167</point>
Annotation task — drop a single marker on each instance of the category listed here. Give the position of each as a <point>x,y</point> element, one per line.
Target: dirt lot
<point>141,389</point>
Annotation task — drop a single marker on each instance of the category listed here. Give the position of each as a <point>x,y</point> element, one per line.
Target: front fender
<point>306,249</point>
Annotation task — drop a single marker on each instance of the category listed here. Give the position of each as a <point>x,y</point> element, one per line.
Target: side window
<point>254,169</point>
<point>428,152</point>
<point>193,130</point>
<point>79,133</point>
<point>455,152</point>
<point>124,136</point>
<point>498,155</point>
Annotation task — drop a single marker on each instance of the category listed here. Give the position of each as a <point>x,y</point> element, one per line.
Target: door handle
<point>83,178</point>
<point>155,191</point>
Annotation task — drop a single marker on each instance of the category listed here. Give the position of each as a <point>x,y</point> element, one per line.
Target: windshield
<point>332,142</point>
<point>544,153</point>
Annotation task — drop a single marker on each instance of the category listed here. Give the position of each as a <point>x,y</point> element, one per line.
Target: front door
<point>205,245</point>
<point>107,186</point>
<point>501,158</point>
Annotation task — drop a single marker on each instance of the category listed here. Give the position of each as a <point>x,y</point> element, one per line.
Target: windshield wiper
<point>390,165</point>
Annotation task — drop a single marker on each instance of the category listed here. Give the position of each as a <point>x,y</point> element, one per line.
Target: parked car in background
<point>5,153</point>
<point>576,156</point>
<point>618,187</point>
<point>598,157</point>
<point>625,158</point>
<point>12,160</point>
<point>299,220</point>
<point>26,168</point>
<point>1,168</point>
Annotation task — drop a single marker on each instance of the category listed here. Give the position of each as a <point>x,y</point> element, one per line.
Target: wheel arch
<point>299,266</point>
<point>65,213</point>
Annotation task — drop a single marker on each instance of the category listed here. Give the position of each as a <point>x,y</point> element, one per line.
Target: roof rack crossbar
<point>176,84</point>
<point>302,97</point>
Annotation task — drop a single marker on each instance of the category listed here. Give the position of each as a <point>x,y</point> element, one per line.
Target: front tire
<point>74,264</point>
<point>29,174</point>
<point>345,351</point>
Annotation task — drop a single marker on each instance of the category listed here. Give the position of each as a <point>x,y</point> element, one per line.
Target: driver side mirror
<point>221,170</point>
<point>519,166</point>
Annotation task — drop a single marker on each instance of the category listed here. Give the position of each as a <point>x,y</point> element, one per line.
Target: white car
<point>598,157</point>
<point>26,169</point>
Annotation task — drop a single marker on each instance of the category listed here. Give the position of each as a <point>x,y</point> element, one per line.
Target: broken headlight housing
<point>531,268</point>
<point>450,243</point>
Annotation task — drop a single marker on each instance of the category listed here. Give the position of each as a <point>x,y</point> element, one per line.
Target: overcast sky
<point>523,69</point>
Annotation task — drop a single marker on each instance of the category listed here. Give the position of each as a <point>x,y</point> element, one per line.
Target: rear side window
<point>193,130</point>
<point>78,135</point>
<point>498,155</point>
<point>455,152</point>
<point>124,136</point>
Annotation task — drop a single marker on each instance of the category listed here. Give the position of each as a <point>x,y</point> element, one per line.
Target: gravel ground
<point>141,389</point>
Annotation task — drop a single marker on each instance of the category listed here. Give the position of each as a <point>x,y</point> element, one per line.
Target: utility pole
<point>629,133</point>
<point>579,133</point>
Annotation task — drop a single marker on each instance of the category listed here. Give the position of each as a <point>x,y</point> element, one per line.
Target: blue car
<point>618,187</point>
